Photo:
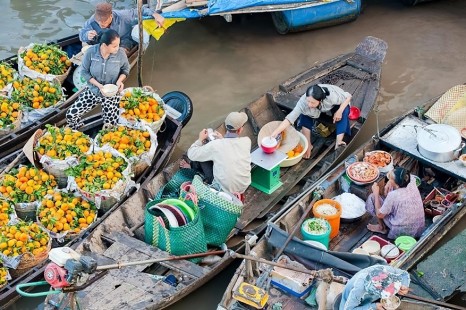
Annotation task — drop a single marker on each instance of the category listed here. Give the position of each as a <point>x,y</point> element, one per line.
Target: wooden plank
<point>123,253</point>
<point>370,98</point>
<point>182,266</point>
<point>122,295</point>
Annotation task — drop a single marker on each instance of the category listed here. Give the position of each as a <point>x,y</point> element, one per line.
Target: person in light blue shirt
<point>122,21</point>
<point>364,290</point>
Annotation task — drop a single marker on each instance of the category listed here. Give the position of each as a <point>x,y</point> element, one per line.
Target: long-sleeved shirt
<point>355,294</point>
<point>122,22</point>
<point>336,97</point>
<point>105,71</point>
<point>232,161</point>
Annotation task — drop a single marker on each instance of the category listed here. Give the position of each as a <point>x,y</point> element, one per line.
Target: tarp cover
<point>219,6</point>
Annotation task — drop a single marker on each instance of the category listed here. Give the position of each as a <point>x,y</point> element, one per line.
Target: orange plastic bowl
<point>354,113</point>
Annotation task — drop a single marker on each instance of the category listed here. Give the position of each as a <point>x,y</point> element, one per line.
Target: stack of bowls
<point>172,213</point>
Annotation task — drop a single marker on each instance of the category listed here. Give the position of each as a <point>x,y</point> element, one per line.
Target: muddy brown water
<point>223,66</point>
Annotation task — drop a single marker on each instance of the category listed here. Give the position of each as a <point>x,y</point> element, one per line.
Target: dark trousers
<point>206,168</point>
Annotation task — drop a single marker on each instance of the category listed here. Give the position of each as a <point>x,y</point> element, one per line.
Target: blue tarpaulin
<point>219,6</point>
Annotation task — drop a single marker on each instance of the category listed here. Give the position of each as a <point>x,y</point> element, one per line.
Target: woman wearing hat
<point>365,289</point>
<point>320,98</point>
<point>225,161</point>
<point>401,212</point>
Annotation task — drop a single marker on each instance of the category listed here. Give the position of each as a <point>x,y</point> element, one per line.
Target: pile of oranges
<point>26,184</point>
<point>128,141</point>
<point>64,212</point>
<point>139,105</point>
<point>61,143</point>
<point>46,59</point>
<point>98,171</point>
<point>6,208</point>
<point>6,74</point>
<point>3,276</point>
<point>36,93</point>
<point>24,237</point>
<point>9,112</point>
<point>296,151</point>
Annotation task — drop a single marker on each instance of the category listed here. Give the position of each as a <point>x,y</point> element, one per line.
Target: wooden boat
<point>18,138</point>
<point>135,287</point>
<point>167,141</point>
<point>353,233</point>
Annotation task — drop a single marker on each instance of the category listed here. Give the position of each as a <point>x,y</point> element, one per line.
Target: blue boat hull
<point>324,15</point>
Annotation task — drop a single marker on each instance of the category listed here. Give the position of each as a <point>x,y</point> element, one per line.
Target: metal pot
<point>439,142</point>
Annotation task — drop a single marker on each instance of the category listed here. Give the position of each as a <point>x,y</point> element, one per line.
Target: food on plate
<point>390,303</point>
<point>378,158</point>
<point>362,171</point>
<point>326,209</point>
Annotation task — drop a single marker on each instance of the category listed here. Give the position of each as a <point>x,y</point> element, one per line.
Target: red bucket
<point>354,113</point>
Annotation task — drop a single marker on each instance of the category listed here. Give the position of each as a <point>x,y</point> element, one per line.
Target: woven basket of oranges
<point>25,187</point>
<point>137,143</point>
<point>7,75</point>
<point>4,275</point>
<point>36,94</point>
<point>45,61</point>
<point>65,215</point>
<point>142,105</point>
<point>27,239</point>
<point>7,211</point>
<point>59,148</point>
<point>101,177</point>
<point>10,115</point>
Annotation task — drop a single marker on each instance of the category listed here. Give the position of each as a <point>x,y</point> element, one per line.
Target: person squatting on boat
<point>319,98</point>
<point>401,212</point>
<point>369,285</point>
<point>105,63</point>
<point>225,161</point>
<point>122,21</point>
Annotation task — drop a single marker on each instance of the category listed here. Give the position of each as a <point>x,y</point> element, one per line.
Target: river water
<point>223,66</point>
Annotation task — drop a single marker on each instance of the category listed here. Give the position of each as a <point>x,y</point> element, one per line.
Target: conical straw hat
<point>291,136</point>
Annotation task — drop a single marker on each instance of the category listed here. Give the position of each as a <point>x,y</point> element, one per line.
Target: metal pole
<point>140,46</point>
<point>435,302</point>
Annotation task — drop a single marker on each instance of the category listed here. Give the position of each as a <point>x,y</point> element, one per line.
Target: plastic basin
<point>322,238</point>
<point>333,219</point>
<point>296,159</point>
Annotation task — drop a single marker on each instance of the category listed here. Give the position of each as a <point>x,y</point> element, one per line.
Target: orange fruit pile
<point>64,212</point>
<point>128,141</point>
<point>26,184</point>
<point>6,208</point>
<point>36,93</point>
<point>24,237</point>
<point>61,143</point>
<point>98,171</point>
<point>139,105</point>
<point>9,112</point>
<point>46,59</point>
<point>6,74</point>
<point>296,151</point>
<point>3,276</point>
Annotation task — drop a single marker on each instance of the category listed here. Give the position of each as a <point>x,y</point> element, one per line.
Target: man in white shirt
<point>230,155</point>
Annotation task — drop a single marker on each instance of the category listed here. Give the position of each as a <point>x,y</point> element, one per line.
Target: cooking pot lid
<point>439,138</point>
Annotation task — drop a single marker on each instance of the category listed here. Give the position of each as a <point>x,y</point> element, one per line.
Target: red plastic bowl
<point>354,113</point>
<point>269,146</point>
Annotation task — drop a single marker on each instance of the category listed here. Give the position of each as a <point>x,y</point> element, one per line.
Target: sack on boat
<point>142,105</point>
<point>182,240</point>
<point>219,211</point>
<point>138,162</point>
<point>25,71</point>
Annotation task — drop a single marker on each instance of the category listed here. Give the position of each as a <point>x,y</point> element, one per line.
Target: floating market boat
<point>283,240</point>
<point>167,139</point>
<point>140,287</point>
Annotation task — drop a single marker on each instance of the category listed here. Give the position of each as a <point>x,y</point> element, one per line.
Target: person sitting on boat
<point>369,285</point>
<point>227,160</point>
<point>401,212</point>
<point>320,98</point>
<point>105,63</point>
<point>122,21</point>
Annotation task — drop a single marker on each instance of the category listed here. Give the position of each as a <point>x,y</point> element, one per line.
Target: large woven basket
<point>13,127</point>
<point>29,261</point>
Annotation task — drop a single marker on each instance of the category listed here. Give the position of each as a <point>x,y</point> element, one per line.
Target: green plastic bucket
<point>322,238</point>
<point>405,243</point>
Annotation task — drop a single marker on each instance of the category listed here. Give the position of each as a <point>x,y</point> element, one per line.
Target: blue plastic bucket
<point>322,238</point>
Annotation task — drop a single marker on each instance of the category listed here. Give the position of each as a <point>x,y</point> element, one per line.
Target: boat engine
<point>66,267</point>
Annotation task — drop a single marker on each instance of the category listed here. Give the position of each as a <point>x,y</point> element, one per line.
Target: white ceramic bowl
<point>372,247</point>
<point>389,251</point>
<point>391,303</point>
<point>293,161</point>
<point>109,90</point>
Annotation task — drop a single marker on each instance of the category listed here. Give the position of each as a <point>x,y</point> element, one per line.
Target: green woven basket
<point>183,240</point>
<point>218,214</point>
<point>172,188</point>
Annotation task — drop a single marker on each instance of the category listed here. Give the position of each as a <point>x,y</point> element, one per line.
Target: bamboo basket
<point>29,261</point>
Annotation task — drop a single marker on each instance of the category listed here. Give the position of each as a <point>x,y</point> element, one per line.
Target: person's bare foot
<point>307,154</point>
<point>376,228</point>
<point>184,164</point>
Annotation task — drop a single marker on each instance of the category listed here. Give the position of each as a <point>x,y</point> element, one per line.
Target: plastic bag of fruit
<point>142,105</point>
<point>7,75</point>
<point>136,141</point>
<point>37,97</point>
<point>102,177</point>
<point>65,215</point>
<point>10,115</point>
<point>59,148</point>
<point>45,61</point>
